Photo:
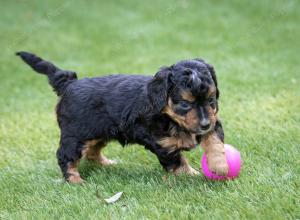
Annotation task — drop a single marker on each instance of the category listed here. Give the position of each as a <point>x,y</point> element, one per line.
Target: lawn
<point>254,47</point>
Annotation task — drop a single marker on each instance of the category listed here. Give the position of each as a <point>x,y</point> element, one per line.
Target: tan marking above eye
<point>211,92</point>
<point>187,95</point>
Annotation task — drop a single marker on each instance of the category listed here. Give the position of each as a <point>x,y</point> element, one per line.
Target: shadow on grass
<point>139,174</point>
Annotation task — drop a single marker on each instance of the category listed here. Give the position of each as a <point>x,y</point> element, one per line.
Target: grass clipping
<point>114,198</point>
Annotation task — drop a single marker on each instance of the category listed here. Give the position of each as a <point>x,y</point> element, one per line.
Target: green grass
<point>254,47</point>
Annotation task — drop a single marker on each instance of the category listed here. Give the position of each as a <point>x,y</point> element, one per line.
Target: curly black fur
<point>127,108</point>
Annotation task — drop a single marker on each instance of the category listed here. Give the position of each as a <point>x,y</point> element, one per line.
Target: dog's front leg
<point>170,159</point>
<point>170,148</point>
<point>174,162</point>
<point>184,167</point>
<point>213,145</point>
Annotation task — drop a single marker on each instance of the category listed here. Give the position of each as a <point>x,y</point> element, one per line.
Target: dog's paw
<point>107,162</point>
<point>187,169</point>
<point>218,165</point>
<point>75,179</point>
<point>192,171</point>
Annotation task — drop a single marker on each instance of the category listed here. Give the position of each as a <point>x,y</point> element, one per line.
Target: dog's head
<point>187,92</point>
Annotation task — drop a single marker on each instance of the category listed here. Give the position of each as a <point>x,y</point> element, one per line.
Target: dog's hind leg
<point>92,151</point>
<point>68,155</point>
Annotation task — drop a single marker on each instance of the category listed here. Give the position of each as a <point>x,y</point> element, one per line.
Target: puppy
<point>173,111</point>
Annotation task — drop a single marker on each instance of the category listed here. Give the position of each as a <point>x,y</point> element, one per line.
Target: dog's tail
<point>58,79</point>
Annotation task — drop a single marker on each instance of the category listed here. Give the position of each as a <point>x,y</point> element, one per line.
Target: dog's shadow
<point>124,173</point>
<point>129,174</point>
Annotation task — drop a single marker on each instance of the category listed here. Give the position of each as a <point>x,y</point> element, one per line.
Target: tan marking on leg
<point>72,171</point>
<point>104,161</point>
<point>92,151</point>
<point>185,168</point>
<point>181,140</point>
<point>215,153</point>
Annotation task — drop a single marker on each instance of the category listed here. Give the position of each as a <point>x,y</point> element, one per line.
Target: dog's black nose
<point>204,124</point>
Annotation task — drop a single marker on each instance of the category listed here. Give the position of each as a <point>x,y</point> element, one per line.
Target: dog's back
<point>99,106</point>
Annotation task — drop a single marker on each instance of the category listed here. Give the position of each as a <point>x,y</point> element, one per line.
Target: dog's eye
<point>211,101</point>
<point>184,105</point>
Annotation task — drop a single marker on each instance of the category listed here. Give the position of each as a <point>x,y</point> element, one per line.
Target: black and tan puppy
<point>170,112</point>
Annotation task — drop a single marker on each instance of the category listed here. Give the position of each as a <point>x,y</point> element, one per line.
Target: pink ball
<point>234,162</point>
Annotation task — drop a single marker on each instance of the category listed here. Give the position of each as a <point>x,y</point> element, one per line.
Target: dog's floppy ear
<point>158,88</point>
<point>212,73</point>
<point>214,77</point>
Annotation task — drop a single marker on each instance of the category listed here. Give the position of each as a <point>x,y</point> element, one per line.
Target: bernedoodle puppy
<point>173,111</point>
